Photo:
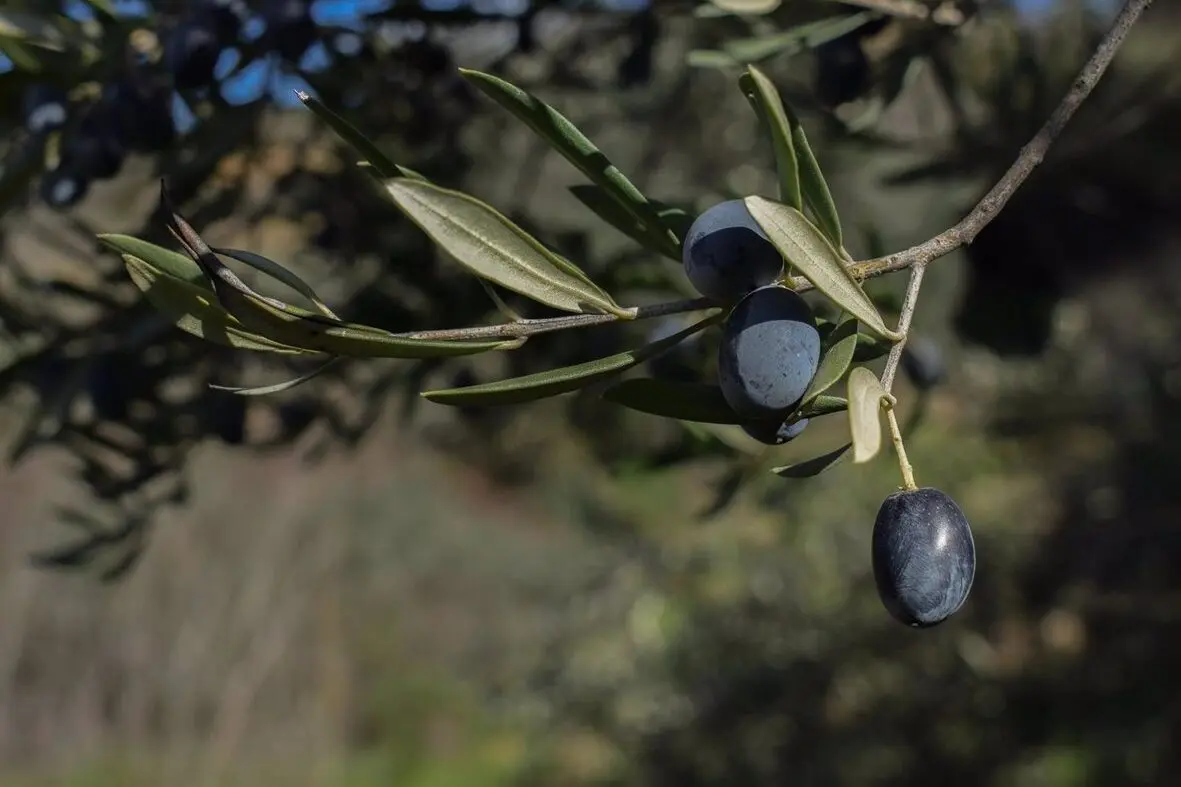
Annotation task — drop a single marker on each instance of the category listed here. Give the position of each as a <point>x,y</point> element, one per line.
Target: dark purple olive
<point>924,557</point>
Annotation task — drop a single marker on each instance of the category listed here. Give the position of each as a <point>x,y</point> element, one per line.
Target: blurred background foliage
<point>339,585</point>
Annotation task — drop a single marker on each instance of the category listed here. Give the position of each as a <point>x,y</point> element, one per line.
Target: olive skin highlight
<point>924,556</point>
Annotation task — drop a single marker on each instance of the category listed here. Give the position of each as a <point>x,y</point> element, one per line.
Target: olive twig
<point>519,329</point>
<point>991,204</point>
<point>899,447</point>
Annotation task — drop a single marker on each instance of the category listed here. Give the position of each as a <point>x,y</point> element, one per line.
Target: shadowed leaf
<point>559,381</point>
<point>765,99</point>
<point>194,310</point>
<point>277,271</point>
<point>838,354</point>
<point>823,405</point>
<point>812,467</point>
<point>698,402</point>
<point>609,210</point>
<point>382,164</point>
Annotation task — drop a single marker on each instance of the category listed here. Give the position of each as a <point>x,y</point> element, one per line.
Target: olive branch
<point>204,297</point>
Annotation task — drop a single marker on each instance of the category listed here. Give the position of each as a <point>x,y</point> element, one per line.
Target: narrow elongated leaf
<point>806,248</point>
<point>173,263</point>
<point>710,58</point>
<point>865,411</point>
<point>552,126</point>
<point>769,106</point>
<point>286,385</point>
<point>812,467</point>
<point>559,381</point>
<point>697,402</point>
<point>277,271</point>
<point>195,310</point>
<point>838,354</point>
<point>795,39</point>
<point>869,348</point>
<point>610,211</point>
<point>814,187</point>
<point>382,164</point>
<point>824,405</point>
<point>290,325</point>
<point>494,248</point>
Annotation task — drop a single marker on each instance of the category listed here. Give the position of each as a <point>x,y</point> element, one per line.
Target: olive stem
<point>909,302</point>
<point>899,448</point>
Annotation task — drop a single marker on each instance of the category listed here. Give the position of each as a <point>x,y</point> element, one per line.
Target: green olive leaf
<point>710,58</point>
<point>382,164</point>
<point>599,202</point>
<point>564,380</point>
<point>287,385</point>
<point>277,271</point>
<point>865,409</point>
<point>869,348</point>
<point>806,248</point>
<point>552,126</point>
<point>285,325</point>
<point>812,467</point>
<point>796,39</point>
<point>838,354</point>
<point>765,100</point>
<point>823,405</point>
<point>816,193</point>
<point>684,401</point>
<point>167,261</point>
<point>195,310</point>
<point>494,248</point>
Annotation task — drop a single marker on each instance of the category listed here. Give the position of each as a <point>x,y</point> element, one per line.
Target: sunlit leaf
<point>494,248</point>
<point>565,138</point>
<point>810,253</point>
<point>838,354</point>
<point>685,401</point>
<point>865,409</point>
<point>382,164</point>
<point>277,271</point>
<point>812,467</point>
<point>769,106</point>
<point>564,380</point>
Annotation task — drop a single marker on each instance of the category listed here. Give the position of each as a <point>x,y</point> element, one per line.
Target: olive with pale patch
<point>769,353</point>
<point>924,556</point>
